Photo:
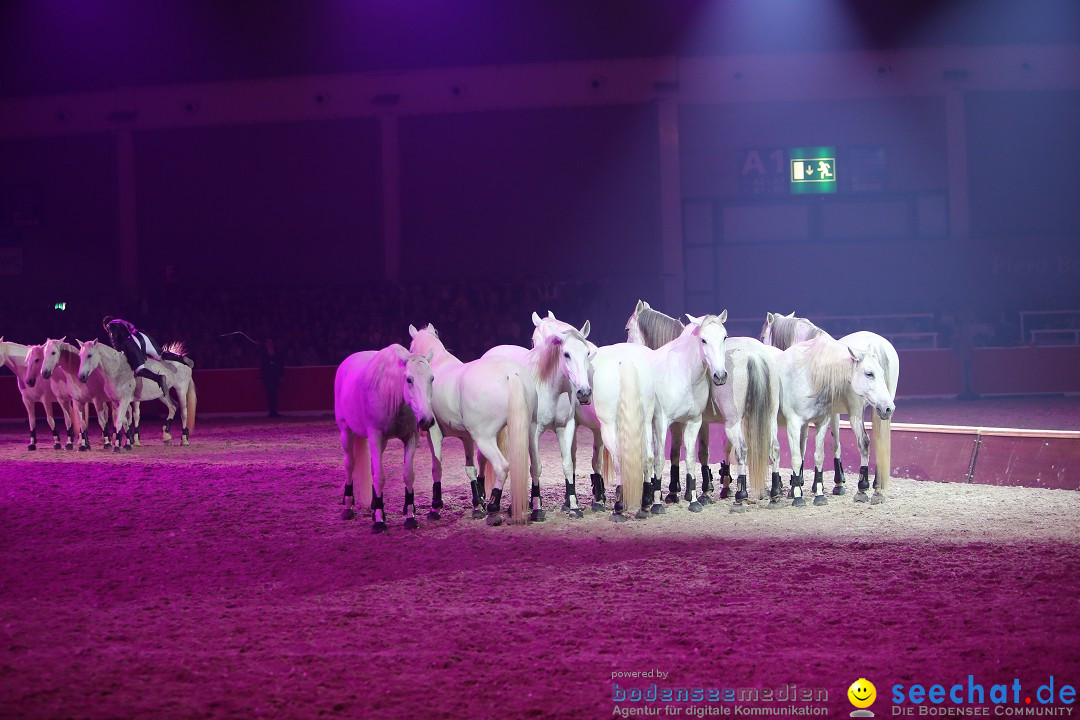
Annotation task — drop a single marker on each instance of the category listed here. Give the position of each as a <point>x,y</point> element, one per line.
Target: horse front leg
<point>376,446</point>
<point>674,484</point>
<point>411,523</point>
<point>565,435</point>
<point>536,505</point>
<point>50,418</point>
<point>794,431</point>
<point>862,439</point>
<point>838,466</point>
<point>435,441</point>
<point>735,436</point>
<point>599,492</point>
<point>31,417</point>
<point>818,486</point>
<point>118,422</point>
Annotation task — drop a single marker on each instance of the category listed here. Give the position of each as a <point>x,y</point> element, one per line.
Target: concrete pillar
<point>956,139</point>
<point>673,290</point>
<point>391,196</point>
<point>126,221</point>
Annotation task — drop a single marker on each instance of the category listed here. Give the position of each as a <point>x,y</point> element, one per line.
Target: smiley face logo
<point>862,693</point>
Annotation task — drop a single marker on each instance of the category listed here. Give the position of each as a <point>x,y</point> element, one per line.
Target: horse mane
<point>829,368</point>
<point>546,356</point>
<point>784,330</point>
<point>658,329</point>
<point>385,374</point>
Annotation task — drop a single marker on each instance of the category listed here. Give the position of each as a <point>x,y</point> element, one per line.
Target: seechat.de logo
<point>862,694</point>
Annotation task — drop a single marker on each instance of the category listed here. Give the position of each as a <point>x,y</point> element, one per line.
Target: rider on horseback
<point>136,346</point>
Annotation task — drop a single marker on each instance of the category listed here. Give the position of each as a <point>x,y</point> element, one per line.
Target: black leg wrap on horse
<point>674,486</point>
<point>348,490</point>
<point>436,495</point>
<point>648,492</point>
<point>774,493</point>
<point>838,478</point>
<point>725,471</point>
<point>599,493</point>
<point>819,481</point>
<point>495,501</point>
<point>838,468</point>
<point>707,478</point>
<point>864,478</point>
<point>740,493</point>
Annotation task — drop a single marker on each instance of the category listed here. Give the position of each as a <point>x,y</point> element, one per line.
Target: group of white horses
<point>92,374</point>
<point>667,377</point>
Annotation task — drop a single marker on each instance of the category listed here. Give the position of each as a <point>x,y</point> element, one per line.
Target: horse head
<point>633,327</point>
<point>868,381</point>
<point>576,362</point>
<point>545,327</point>
<point>89,359</point>
<point>712,333</point>
<point>425,341</point>
<point>51,356</point>
<point>416,387</point>
<point>35,355</point>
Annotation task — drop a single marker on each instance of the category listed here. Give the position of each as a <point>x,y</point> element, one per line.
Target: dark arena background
<point>318,176</point>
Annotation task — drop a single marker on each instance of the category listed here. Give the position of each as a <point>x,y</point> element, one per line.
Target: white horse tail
<point>362,469</point>
<point>757,425</point>
<point>517,436</point>
<point>882,430</point>
<point>192,401</point>
<point>607,468</point>
<point>630,430</point>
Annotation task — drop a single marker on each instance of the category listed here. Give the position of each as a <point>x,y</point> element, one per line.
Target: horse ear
<point>639,307</point>
<point>769,317</point>
<point>855,358</point>
<point>430,355</point>
<point>551,315</point>
<point>585,329</point>
<point>693,320</point>
<point>791,314</point>
<point>536,319</point>
<point>646,304</point>
<point>412,330</point>
<point>723,316</point>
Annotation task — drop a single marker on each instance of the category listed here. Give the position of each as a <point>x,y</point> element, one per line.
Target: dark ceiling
<point>52,46</point>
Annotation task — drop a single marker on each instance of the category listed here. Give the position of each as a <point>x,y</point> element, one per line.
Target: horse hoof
<point>412,524</point>
<point>348,514</point>
<point>739,507</point>
<point>706,500</point>
<point>479,513</point>
<point>658,509</point>
<point>641,515</point>
<point>798,502</point>
<point>775,504</point>
<point>839,490</point>
<point>494,519</point>
<point>81,448</point>
<point>725,493</point>
<point>695,507</point>
<point>377,528</point>
<point>861,497</point>
<point>671,498</point>
<point>537,516</point>
<point>598,507</point>
<point>128,448</point>
<point>115,449</point>
<point>821,500</point>
<point>432,515</point>
<point>138,444</point>
<point>56,446</point>
<point>185,442</point>
<point>437,505</point>
<point>617,517</point>
<point>877,498</point>
<point>31,446</point>
<point>69,446</point>
<point>576,513</point>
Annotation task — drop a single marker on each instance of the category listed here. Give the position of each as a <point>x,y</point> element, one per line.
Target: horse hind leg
<point>489,449</point>
<point>818,486</point>
<point>565,436</point>
<point>838,466</point>
<point>411,523</point>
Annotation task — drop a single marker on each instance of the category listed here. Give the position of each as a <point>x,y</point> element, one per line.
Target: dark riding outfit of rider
<point>136,346</point>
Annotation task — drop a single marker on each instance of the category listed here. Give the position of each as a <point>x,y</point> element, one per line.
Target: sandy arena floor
<point>218,581</point>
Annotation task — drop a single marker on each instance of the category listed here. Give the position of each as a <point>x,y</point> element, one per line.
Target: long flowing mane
<point>545,357</point>
<point>829,367</point>
<point>657,329</point>
<point>384,375</point>
<point>785,330</point>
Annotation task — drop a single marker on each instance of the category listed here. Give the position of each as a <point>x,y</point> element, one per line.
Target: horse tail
<point>192,401</point>
<point>517,436</point>
<point>756,425</point>
<point>362,469</point>
<point>607,467</point>
<point>176,347</point>
<point>630,430</point>
<point>882,429</point>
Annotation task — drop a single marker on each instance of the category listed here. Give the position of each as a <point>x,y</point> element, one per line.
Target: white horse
<point>783,330</point>
<point>380,395</point>
<point>13,357</point>
<point>61,393</point>
<point>822,377</point>
<point>146,390</point>
<point>561,370</point>
<point>747,405</point>
<point>475,401</point>
<point>59,365</point>
<point>111,368</point>
<point>684,371</point>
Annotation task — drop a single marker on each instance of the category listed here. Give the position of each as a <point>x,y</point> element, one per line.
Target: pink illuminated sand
<point>218,581</point>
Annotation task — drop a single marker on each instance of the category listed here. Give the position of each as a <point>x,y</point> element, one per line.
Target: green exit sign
<point>813,170</point>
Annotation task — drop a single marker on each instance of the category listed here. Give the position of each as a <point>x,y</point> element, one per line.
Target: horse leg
<point>565,435</point>
<point>599,502</point>
<point>411,523</point>
<point>347,499</point>
<point>610,440</point>
<point>818,486</point>
<point>184,440</point>
<point>435,441</point>
<point>84,422</point>
<point>136,418</point>
<point>489,450</point>
<point>31,417</point>
<point>65,409</point>
<point>774,464</point>
<point>674,486</point>
<point>536,513</point>
<point>838,466</point>
<point>376,446</point>
<point>738,444</point>
<point>474,470</point>
<point>794,431</point>
<point>863,441</point>
<point>691,437</point>
<point>118,422</point>
<point>51,419</point>
<point>725,468</point>
<point>707,485</point>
